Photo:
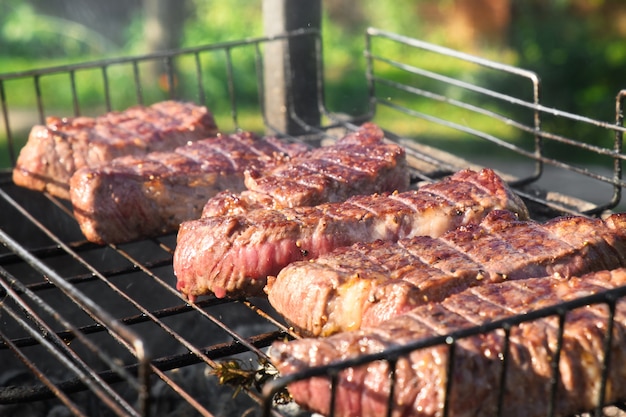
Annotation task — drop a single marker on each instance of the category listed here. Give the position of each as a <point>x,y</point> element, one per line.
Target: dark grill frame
<point>51,261</point>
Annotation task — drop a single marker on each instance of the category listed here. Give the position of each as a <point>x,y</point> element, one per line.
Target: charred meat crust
<point>358,163</point>
<point>233,255</point>
<point>368,283</point>
<point>421,376</point>
<point>145,196</point>
<point>59,148</point>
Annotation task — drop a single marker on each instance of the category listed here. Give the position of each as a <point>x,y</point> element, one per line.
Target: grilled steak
<point>476,370</point>
<point>358,163</point>
<point>55,151</point>
<point>142,196</point>
<point>367,283</point>
<point>233,255</point>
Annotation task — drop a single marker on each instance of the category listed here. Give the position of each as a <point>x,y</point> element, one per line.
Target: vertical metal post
<point>290,67</point>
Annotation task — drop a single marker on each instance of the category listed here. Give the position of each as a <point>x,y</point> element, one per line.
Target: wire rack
<point>101,330</point>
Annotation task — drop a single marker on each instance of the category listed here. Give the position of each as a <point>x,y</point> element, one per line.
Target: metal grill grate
<point>102,330</point>
<point>497,108</point>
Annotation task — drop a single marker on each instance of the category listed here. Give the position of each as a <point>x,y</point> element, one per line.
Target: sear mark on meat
<point>421,376</point>
<point>59,148</point>
<point>136,197</point>
<point>368,283</point>
<point>233,255</point>
<point>358,163</point>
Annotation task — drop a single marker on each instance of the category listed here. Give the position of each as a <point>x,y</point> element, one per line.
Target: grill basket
<point>101,330</point>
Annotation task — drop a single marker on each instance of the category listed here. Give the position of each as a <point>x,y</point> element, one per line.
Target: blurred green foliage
<point>580,58</point>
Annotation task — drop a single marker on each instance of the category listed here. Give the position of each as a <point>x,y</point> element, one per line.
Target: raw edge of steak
<point>234,255</point>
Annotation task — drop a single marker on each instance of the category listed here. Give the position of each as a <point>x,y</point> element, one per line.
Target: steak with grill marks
<point>475,381</point>
<point>367,283</point>
<point>234,254</point>
<point>144,196</point>
<point>59,148</point>
<point>358,163</point>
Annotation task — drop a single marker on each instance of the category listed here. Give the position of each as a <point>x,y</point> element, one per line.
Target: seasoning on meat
<point>144,196</point>
<point>475,382</point>
<point>367,283</point>
<point>233,255</point>
<point>59,148</point>
<point>358,163</point>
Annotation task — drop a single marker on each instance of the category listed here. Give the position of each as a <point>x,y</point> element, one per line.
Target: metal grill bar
<point>107,90</point>
<point>451,342</point>
<point>36,80</point>
<point>5,119</point>
<point>72,75</point>
<point>395,353</point>
<point>536,153</point>
<point>505,366</point>
<point>59,341</point>
<point>241,344</point>
<point>556,359</point>
<point>45,336</point>
<point>392,386</point>
<point>134,63</point>
<point>46,381</point>
<point>124,334</point>
<point>128,290</point>
<point>606,354</point>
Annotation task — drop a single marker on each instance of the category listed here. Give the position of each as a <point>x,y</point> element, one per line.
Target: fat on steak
<point>136,197</point>
<point>233,255</point>
<point>421,377</point>
<point>59,148</point>
<point>358,163</point>
<point>367,283</point>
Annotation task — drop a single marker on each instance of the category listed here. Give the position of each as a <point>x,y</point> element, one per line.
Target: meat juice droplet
<point>219,292</point>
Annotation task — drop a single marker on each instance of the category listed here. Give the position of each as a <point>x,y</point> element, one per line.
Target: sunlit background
<point>576,46</point>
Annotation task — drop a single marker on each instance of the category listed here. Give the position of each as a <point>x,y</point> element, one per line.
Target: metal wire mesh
<point>497,108</point>
<point>101,329</point>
